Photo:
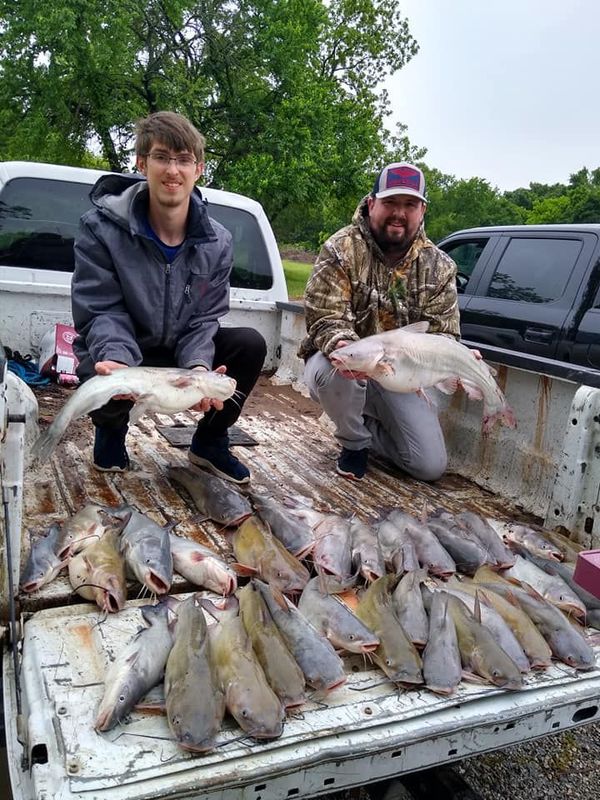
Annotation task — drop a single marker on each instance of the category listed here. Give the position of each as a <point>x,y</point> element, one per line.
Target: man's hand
<point>353,376</point>
<point>107,368</point>
<point>209,402</point>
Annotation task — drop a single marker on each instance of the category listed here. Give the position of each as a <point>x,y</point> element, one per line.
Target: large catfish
<point>164,389</point>
<point>407,360</point>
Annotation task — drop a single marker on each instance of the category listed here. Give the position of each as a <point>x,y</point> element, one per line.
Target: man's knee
<point>318,371</point>
<point>428,466</point>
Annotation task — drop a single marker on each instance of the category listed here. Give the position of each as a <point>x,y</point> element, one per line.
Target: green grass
<point>296,275</point>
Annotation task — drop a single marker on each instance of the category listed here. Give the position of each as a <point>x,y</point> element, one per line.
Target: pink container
<point>587,571</point>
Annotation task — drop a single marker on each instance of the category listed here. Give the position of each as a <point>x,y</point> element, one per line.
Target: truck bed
<point>364,731</point>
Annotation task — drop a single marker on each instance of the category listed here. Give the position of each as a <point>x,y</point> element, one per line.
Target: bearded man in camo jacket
<point>379,273</point>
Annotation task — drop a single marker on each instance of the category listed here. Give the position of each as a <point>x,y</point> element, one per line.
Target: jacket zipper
<point>187,297</point>
<point>167,298</point>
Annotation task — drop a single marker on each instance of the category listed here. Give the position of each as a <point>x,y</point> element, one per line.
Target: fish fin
<point>477,610</point>
<point>349,598</point>
<point>423,395</point>
<point>244,570</point>
<point>472,391</point>
<point>279,598</point>
<point>506,416</point>
<point>321,580</point>
<point>448,386</point>
<point>151,708</point>
<point>384,369</point>
<point>472,677</point>
<point>422,326</point>
<point>207,605</point>
<point>139,408</point>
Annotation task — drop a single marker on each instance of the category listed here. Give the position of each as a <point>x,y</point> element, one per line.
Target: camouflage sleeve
<point>327,299</point>
<point>441,306</point>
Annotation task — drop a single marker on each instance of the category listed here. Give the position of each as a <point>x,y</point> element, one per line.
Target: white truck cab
<point>40,208</point>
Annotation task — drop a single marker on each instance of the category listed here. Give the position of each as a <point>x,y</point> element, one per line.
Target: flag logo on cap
<point>400,179</point>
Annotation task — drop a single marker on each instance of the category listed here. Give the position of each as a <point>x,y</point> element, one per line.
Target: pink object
<point>57,359</point>
<point>587,571</point>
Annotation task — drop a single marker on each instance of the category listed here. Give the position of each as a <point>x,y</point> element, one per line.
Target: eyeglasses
<point>163,160</point>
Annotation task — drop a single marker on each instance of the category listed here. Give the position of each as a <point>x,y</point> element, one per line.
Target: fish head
<point>116,704</point>
<point>39,573</point>
<point>155,566</point>
<point>219,577</point>
<point>109,594</point>
<point>194,728</point>
<point>212,384</point>
<point>256,708</point>
<point>575,651</point>
<point>362,356</point>
<point>496,667</point>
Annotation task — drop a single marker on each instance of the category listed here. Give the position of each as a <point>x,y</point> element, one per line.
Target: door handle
<point>541,335</point>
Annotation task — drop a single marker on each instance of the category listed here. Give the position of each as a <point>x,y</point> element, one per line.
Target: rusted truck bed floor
<point>295,455</point>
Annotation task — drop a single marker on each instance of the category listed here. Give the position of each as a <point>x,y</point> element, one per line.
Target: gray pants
<point>401,427</point>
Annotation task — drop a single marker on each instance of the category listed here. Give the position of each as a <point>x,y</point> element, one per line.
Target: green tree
<point>286,91</point>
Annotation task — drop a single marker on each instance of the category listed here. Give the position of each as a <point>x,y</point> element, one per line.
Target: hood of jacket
<point>123,198</point>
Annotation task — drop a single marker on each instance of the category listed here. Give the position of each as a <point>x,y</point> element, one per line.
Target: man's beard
<point>392,243</point>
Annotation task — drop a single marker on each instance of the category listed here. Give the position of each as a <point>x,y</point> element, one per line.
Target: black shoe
<point>353,463</point>
<point>216,456</point>
<point>110,454</point>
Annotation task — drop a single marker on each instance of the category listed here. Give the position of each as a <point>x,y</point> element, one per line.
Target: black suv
<point>531,288</point>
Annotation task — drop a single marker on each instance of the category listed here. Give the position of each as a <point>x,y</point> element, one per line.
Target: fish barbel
<point>164,389</point>
<point>407,360</point>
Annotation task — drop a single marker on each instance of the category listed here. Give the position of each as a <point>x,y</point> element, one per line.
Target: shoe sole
<point>202,462</point>
<point>350,475</point>
<point>111,469</point>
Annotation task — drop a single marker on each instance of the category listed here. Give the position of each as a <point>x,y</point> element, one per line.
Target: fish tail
<point>505,416</point>
<point>44,446</point>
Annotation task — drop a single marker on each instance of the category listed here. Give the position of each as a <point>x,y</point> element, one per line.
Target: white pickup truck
<point>56,648</point>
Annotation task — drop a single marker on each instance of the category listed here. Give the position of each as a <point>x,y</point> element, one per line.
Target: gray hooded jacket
<point>127,299</point>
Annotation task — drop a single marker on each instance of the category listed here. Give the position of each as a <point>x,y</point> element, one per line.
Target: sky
<point>506,90</point>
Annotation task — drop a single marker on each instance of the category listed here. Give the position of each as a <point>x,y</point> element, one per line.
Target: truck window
<point>534,270</point>
<point>38,222</point>
<point>465,254</point>
<point>39,219</point>
<point>251,263</point>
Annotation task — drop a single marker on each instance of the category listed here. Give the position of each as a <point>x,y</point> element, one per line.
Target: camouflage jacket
<point>353,293</point>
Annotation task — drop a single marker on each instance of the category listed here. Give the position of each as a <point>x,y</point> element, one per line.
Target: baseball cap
<point>400,178</point>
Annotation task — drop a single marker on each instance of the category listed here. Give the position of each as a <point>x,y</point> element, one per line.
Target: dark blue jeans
<point>241,350</point>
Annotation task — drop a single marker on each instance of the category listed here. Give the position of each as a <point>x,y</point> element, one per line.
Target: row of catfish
<point>105,546</point>
<point>257,660</point>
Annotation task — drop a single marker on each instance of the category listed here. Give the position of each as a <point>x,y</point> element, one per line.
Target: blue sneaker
<point>353,463</point>
<point>216,456</point>
<point>110,454</point>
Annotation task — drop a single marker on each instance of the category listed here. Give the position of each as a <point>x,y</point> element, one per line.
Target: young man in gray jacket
<point>151,282</point>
